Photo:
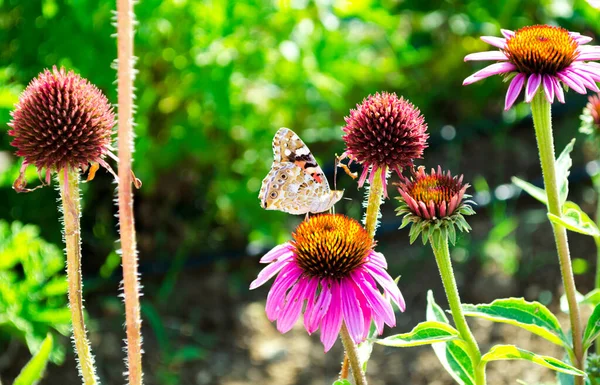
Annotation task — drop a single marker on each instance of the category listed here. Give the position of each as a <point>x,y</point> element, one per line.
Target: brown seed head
<point>541,49</point>
<point>61,120</point>
<point>331,245</point>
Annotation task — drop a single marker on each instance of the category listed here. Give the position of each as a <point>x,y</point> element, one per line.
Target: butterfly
<point>295,184</point>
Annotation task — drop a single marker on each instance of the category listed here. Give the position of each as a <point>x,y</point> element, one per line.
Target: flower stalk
<point>542,121</point>
<point>352,355</point>
<point>126,179</point>
<point>374,203</point>
<point>439,244</point>
<point>69,191</point>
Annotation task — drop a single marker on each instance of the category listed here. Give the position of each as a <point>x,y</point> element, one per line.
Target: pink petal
<point>507,33</point>
<point>583,78</point>
<point>595,55</point>
<point>378,259</point>
<point>276,252</point>
<point>374,297</point>
<point>294,302</point>
<point>571,82</point>
<point>285,280</point>
<point>495,41</point>
<point>514,89</point>
<point>558,90</point>
<point>494,69</point>
<point>363,176</point>
<point>548,88</point>
<point>488,55</point>
<point>384,180</point>
<point>268,272</point>
<point>533,84</point>
<point>319,310</point>
<point>332,321</point>
<point>388,284</point>
<point>352,312</point>
<point>592,72</point>
<point>311,291</point>
<point>583,39</point>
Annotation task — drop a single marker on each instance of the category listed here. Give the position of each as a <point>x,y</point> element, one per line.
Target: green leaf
<point>34,370</point>
<point>563,164</point>
<point>535,192</point>
<point>424,333</point>
<point>592,330</point>
<point>591,298</point>
<point>511,352</point>
<point>342,382</point>
<point>575,219</point>
<point>452,354</point>
<point>532,316</point>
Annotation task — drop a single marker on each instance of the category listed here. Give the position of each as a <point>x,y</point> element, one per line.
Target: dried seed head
<point>61,121</point>
<point>385,132</point>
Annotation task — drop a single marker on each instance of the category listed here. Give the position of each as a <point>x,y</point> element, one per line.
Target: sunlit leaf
<point>511,352</point>
<point>424,333</point>
<point>34,370</point>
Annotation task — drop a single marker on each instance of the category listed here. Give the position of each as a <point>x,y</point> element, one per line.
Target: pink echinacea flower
<point>540,57</point>
<point>330,264</point>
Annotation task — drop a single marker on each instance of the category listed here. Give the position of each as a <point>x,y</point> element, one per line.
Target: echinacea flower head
<point>384,133</point>
<point>433,201</point>
<point>590,119</point>
<point>61,121</point>
<point>331,266</point>
<point>540,57</point>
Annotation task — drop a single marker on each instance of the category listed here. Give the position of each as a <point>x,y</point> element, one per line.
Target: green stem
<point>352,354</point>
<point>374,203</point>
<point>69,192</point>
<point>542,121</point>
<point>439,244</point>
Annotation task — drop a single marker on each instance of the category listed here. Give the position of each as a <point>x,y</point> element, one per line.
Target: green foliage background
<point>218,78</point>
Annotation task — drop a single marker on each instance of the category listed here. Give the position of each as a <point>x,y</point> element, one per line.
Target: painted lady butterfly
<point>296,184</point>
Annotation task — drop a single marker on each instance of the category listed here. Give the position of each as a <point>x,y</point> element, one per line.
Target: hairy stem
<point>542,121</point>
<point>374,203</point>
<point>344,370</point>
<point>69,193</point>
<point>439,244</point>
<point>126,222</point>
<point>352,354</point>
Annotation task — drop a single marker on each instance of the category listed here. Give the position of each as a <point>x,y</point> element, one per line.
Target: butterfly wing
<point>288,147</point>
<point>295,184</point>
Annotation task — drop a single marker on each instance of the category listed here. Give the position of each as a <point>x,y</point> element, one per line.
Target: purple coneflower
<point>384,132</point>
<point>330,264</point>
<point>61,121</point>
<point>540,56</point>
<point>433,201</point>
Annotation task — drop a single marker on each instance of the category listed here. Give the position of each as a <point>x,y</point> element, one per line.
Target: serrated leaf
<point>531,316</point>
<point>511,352</point>
<point>592,330</point>
<point>575,219</point>
<point>563,165</point>
<point>451,354</point>
<point>424,333</point>
<point>34,370</point>
<point>534,191</point>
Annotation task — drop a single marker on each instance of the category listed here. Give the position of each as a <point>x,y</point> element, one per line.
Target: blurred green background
<point>216,80</point>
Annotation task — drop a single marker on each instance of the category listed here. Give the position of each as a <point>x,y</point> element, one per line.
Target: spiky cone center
<point>432,196</point>
<point>541,49</point>
<point>593,108</point>
<point>385,131</point>
<point>330,245</point>
<point>61,120</point>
